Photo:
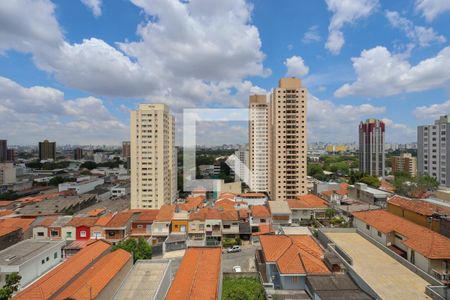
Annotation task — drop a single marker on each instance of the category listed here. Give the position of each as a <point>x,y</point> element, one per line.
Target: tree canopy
<point>140,249</point>
<point>12,282</point>
<point>242,289</point>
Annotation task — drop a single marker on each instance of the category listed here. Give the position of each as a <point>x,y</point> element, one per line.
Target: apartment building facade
<point>371,147</point>
<point>405,163</point>
<point>153,156</point>
<point>259,143</point>
<point>47,150</point>
<point>432,146</point>
<point>287,140</point>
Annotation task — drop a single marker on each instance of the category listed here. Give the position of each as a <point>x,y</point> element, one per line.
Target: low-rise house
<point>333,287</point>
<point>98,229</point>
<point>259,215</point>
<point>192,203</point>
<point>252,198</point>
<point>199,275</point>
<point>13,230</point>
<point>40,227</point>
<point>56,228</point>
<point>54,282</point>
<point>30,258</point>
<point>142,225</point>
<point>418,211</point>
<point>286,260</point>
<point>245,229</point>
<point>81,187</point>
<point>120,190</point>
<point>119,227</point>
<point>196,228</point>
<point>336,197</point>
<point>421,246</point>
<point>280,213</point>
<point>157,275</point>
<point>76,246</point>
<point>102,279</point>
<point>213,227</point>
<point>180,221</point>
<point>161,225</point>
<point>79,228</point>
<point>224,204</point>
<point>230,224</point>
<point>365,193</point>
<point>306,208</point>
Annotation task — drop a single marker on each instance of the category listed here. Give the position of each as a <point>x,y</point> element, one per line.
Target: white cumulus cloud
<point>296,66</point>
<point>94,5</point>
<point>345,12</point>
<point>380,73</point>
<point>430,9</point>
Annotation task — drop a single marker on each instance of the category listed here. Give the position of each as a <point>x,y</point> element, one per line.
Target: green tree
<point>355,177</point>
<point>12,282</point>
<point>140,249</point>
<point>330,213</point>
<point>371,180</point>
<point>88,165</point>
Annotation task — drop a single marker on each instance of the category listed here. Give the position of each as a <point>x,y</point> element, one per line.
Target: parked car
<point>237,269</point>
<point>234,249</point>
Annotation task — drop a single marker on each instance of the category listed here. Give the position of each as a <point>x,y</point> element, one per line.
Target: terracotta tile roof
<point>224,203</point>
<point>103,220</point>
<point>82,221</point>
<point>386,186</point>
<point>120,219</point>
<point>48,221</point>
<point>165,213</point>
<point>307,201</point>
<point>96,212</point>
<point>4,230</point>
<point>243,213</point>
<point>297,254</point>
<point>147,215</point>
<point>343,189</point>
<point>192,203</point>
<point>421,239</point>
<point>327,193</point>
<point>259,211</point>
<point>213,214</point>
<point>24,224</point>
<point>263,229</point>
<point>198,215</point>
<point>78,245</point>
<point>227,195</point>
<point>419,206</point>
<point>198,276</point>
<point>97,277</point>
<point>230,215</point>
<point>6,212</point>
<point>252,195</point>
<point>5,203</point>
<point>46,286</point>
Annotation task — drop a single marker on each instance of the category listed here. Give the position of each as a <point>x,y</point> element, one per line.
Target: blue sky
<point>71,70</point>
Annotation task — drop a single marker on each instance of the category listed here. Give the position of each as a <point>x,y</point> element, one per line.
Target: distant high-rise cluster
<point>3,150</point>
<point>433,142</point>
<point>153,156</point>
<point>278,141</point>
<point>371,147</point>
<point>47,150</point>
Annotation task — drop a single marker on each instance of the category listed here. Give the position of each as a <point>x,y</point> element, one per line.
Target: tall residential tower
<point>259,143</point>
<point>153,156</point>
<point>433,144</point>
<point>47,150</point>
<point>371,147</point>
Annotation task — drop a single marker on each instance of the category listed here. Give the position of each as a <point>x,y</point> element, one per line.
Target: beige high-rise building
<point>153,156</point>
<point>7,173</point>
<point>404,163</point>
<point>287,140</point>
<point>259,143</point>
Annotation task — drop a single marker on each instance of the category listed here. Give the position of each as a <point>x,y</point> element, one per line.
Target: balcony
<point>441,275</point>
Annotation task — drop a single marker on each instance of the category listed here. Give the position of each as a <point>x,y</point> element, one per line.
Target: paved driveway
<point>245,259</point>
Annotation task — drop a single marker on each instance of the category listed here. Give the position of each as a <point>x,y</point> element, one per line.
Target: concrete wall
<point>166,281</point>
<point>293,282</point>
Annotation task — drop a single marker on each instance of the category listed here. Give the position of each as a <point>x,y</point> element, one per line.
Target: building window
<point>43,261</point>
<point>40,233</point>
<point>47,259</point>
<point>367,227</point>
<point>69,234</point>
<point>379,233</point>
<point>55,255</point>
<point>413,257</point>
<point>83,233</point>
<point>111,233</point>
<point>54,233</point>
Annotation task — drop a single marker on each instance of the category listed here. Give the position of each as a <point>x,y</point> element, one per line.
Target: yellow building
<point>153,156</point>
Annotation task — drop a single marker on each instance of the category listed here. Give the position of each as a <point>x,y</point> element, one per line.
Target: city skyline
<point>43,97</point>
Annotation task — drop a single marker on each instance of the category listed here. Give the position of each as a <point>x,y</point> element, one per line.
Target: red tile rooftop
<point>419,206</point>
<point>299,254</point>
<point>259,211</point>
<point>120,219</point>
<point>198,276</point>
<point>24,224</point>
<point>82,221</point>
<point>50,283</point>
<point>90,283</point>
<point>307,201</point>
<point>165,213</point>
<point>421,239</point>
